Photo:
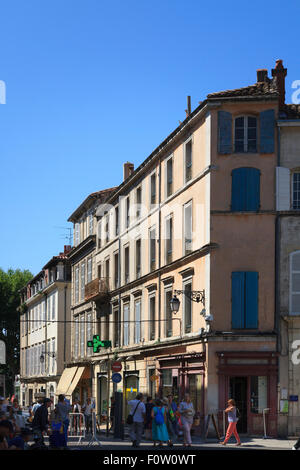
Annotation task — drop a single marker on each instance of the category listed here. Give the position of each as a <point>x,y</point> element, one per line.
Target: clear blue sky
<point>92,84</point>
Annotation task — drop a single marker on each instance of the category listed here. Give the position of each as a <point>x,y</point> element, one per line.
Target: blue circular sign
<point>116,377</point>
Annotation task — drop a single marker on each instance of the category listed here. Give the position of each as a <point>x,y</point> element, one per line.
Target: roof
<point>260,89</point>
<point>85,205</point>
<point>291,111</point>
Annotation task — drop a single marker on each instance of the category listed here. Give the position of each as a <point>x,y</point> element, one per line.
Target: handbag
<point>130,416</point>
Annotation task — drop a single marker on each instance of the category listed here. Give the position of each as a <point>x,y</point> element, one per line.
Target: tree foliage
<point>10,284</point>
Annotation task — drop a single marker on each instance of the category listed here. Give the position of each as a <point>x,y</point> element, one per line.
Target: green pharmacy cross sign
<point>96,344</point>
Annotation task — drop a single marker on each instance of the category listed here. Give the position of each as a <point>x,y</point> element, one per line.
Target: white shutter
<point>282,189</point>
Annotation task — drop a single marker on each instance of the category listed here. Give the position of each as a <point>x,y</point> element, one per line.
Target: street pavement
<point>248,443</point>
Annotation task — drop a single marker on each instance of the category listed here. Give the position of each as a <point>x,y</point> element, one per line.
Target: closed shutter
<point>282,189</point>
<point>126,325</point>
<point>237,299</point>
<point>245,195</point>
<point>267,131</point>
<point>251,299</point>
<point>137,322</point>
<point>225,132</point>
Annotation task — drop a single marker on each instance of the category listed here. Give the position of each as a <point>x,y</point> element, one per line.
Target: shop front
<point>180,374</point>
<point>250,378</point>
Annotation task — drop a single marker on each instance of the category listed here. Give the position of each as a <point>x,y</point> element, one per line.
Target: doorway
<point>102,399</point>
<point>238,391</point>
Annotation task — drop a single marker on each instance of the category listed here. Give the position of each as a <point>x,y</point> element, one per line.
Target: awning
<point>65,380</point>
<point>75,381</point>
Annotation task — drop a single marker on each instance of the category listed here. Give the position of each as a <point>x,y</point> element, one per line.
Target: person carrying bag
<point>136,419</point>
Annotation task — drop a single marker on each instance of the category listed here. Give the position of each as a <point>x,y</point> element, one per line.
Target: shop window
<point>259,388</point>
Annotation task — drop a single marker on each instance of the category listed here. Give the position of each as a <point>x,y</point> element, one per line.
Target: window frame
<point>167,184</point>
<point>293,174</point>
<point>190,142</point>
<point>186,206</point>
<point>245,136</point>
<point>291,291</point>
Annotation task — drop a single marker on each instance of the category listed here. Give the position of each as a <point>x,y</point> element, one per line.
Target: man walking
<point>62,411</point>
<point>138,412</point>
<point>40,423</point>
<point>88,409</point>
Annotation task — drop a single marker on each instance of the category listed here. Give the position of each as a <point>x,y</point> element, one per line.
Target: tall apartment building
<point>45,329</point>
<point>288,267</point>
<point>197,216</point>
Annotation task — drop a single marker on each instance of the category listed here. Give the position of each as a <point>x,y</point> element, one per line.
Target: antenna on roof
<point>70,236</point>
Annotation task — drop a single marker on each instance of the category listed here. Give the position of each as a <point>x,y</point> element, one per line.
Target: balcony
<point>97,290</point>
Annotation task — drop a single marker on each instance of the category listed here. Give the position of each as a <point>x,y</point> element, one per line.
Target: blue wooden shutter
<point>252,189</point>
<point>225,132</point>
<point>251,299</point>
<point>237,299</point>
<point>267,131</point>
<point>238,189</point>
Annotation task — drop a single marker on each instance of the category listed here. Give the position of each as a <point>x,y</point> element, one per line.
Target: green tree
<point>10,284</point>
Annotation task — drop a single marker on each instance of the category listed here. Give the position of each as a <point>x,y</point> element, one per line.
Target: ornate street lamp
<point>194,295</point>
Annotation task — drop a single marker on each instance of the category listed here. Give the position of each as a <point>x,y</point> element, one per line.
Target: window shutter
<point>267,130</point>
<point>237,299</point>
<point>225,132</point>
<point>252,189</point>
<point>282,189</point>
<point>251,299</point>
<point>238,194</point>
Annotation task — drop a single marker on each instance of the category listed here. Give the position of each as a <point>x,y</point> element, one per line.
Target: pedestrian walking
<point>88,409</point>
<point>148,419</point>
<point>159,427</point>
<point>187,412</point>
<point>170,419</point>
<point>232,422</point>
<point>40,422</point>
<point>138,413</point>
<point>174,408</point>
<point>62,411</point>
<point>76,419</point>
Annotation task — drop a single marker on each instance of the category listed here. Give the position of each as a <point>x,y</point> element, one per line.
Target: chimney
<point>128,169</point>
<point>188,110</point>
<point>280,73</point>
<point>262,74</point>
<point>67,248</point>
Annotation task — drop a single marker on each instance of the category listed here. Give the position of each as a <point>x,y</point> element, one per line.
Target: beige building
<point>198,217</point>
<point>45,329</point>
<point>288,262</point>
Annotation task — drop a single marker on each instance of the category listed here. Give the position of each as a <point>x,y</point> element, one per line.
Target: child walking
<point>232,422</point>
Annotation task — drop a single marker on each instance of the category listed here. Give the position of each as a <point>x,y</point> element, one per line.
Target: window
<point>116,263</point>
<point>107,235</point>
<point>168,313</point>
<point>82,281</point>
<point>187,308</point>
<point>100,233</point>
<point>188,161</point>
<point>245,190</point>
<point>245,134</point>
<point>138,258</point>
<point>138,202</point>
<point>153,189</point>
<point>296,190</point>
<point>169,240</point>
<point>82,337</point>
<point>152,318</point>
<point>117,221</point>
<point>126,265</point>
<point>91,223</point>
<point>126,326</point>
<point>244,299</point>
<point>77,234</point>
<point>258,392</point>
<point>116,328</point>
<point>54,303</point>
<point>77,284</point>
<point>53,361</point>
<point>137,324</point>
<point>152,244</point>
<point>295,283</point>
<point>127,215</point>
<point>169,177</point>
<point>89,270</point>
<point>187,226</point>
<point>76,345</point>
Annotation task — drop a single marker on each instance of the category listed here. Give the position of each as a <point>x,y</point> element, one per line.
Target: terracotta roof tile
<point>268,87</point>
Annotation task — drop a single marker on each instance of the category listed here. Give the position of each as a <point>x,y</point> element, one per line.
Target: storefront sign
<point>96,344</point>
<point>116,377</point>
<point>153,378</point>
<point>293,397</point>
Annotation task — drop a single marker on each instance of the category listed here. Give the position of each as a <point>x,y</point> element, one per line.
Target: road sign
<point>116,366</point>
<point>116,377</point>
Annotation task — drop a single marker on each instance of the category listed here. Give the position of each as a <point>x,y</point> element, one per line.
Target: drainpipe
<point>65,324</point>
<point>277,262</point>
